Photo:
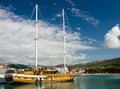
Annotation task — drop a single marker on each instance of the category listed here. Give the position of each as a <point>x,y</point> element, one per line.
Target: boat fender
<point>52,77</point>
<point>39,79</point>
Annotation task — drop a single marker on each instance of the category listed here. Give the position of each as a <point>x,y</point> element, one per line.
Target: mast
<point>64,47</point>
<point>36,36</point>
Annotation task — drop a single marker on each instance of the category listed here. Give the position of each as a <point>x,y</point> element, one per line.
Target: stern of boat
<point>8,77</point>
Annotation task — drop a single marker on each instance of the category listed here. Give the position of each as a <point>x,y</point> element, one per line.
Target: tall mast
<point>36,36</point>
<point>64,47</point>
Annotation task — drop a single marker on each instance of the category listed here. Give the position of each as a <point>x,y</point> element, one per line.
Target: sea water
<point>98,82</point>
<point>80,82</point>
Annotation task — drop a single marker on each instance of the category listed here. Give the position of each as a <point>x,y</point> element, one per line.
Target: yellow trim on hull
<point>17,79</point>
<point>59,77</point>
<point>22,78</point>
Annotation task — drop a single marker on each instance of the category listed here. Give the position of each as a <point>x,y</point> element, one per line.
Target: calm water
<point>81,82</point>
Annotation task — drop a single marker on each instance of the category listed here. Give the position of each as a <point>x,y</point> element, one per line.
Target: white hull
<point>2,80</point>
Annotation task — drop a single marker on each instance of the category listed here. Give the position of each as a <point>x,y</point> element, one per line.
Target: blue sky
<point>92,30</point>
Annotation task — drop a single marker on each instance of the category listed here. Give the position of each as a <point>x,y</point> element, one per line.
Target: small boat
<point>37,75</point>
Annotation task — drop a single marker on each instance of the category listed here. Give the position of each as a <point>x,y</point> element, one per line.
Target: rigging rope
<point>32,13</point>
<point>39,11</point>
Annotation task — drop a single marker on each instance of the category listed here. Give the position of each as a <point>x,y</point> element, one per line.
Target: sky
<point>92,31</point>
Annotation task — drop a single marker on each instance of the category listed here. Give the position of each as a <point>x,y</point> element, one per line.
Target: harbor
<point>59,44</point>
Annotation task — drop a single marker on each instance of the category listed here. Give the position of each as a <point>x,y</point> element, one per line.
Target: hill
<point>104,66</point>
<point>103,63</point>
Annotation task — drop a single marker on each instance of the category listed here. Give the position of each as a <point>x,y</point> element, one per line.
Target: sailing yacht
<point>37,75</point>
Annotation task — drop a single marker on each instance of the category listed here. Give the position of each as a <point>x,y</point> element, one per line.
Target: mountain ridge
<point>102,63</point>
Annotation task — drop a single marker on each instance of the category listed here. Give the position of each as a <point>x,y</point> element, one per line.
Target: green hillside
<point>105,66</point>
<point>104,63</point>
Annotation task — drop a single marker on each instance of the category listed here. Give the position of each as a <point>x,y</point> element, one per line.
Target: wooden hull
<point>22,78</point>
<point>59,78</point>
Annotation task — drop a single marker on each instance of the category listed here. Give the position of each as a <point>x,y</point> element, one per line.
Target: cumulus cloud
<point>112,38</point>
<point>17,43</point>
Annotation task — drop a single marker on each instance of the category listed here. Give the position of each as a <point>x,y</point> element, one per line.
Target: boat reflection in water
<point>61,85</point>
<point>48,85</point>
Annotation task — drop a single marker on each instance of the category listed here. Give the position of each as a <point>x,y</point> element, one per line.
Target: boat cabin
<point>49,72</point>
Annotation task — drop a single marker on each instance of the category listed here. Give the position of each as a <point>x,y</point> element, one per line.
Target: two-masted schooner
<point>33,76</point>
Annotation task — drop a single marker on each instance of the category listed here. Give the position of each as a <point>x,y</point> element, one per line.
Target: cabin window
<point>50,72</point>
<point>10,71</point>
<point>25,78</point>
<point>18,77</point>
<point>32,78</point>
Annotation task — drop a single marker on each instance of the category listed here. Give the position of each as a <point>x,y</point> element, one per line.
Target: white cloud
<point>17,41</point>
<point>112,38</point>
<point>70,2</point>
<point>78,28</point>
<point>75,58</point>
<point>89,40</point>
<point>54,4</point>
<point>79,13</point>
<point>58,15</point>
